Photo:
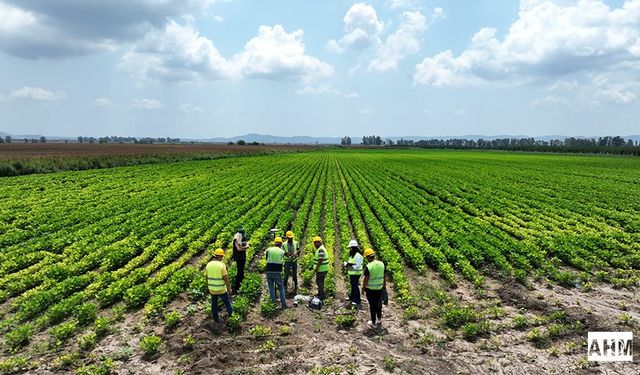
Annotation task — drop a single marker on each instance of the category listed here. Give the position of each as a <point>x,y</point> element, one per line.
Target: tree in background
<point>345,141</point>
<point>372,140</point>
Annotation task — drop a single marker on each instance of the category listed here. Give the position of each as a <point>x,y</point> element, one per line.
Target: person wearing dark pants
<point>322,265</point>
<point>240,247</point>
<point>373,284</point>
<point>291,254</point>
<point>218,284</point>
<point>354,270</point>
<point>275,257</point>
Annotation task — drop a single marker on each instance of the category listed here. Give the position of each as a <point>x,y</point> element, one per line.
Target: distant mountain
<point>36,136</point>
<point>307,140</point>
<point>272,139</point>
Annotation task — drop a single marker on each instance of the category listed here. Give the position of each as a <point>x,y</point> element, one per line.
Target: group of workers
<point>283,257</point>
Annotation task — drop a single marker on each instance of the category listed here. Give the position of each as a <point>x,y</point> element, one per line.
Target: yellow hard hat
<point>369,252</point>
<point>277,240</point>
<point>317,239</point>
<point>219,253</point>
<point>289,234</point>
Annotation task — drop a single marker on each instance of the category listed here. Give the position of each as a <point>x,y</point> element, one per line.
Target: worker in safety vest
<point>291,253</point>
<point>354,270</point>
<point>275,258</point>
<point>322,265</point>
<point>374,282</point>
<point>216,273</point>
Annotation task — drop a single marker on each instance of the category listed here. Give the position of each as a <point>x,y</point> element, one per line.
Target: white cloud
<point>549,39</point>
<point>363,33</point>
<point>325,89</point>
<point>461,112</point>
<point>102,102</point>
<point>218,18</point>
<point>362,29</point>
<point>38,94</point>
<point>402,42</point>
<point>61,28</point>
<point>276,54</point>
<point>177,53</point>
<point>147,104</point>
<point>190,108</point>
<point>180,54</point>
<point>599,89</point>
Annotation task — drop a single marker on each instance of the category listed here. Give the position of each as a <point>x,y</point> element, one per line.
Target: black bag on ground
<point>315,303</point>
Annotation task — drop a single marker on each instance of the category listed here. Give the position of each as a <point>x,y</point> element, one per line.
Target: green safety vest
<point>376,275</point>
<point>214,277</point>
<point>290,253</point>
<point>275,255</point>
<point>321,253</point>
<point>352,271</point>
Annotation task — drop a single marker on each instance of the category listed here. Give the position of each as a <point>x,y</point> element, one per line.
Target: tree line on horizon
<point>601,145</point>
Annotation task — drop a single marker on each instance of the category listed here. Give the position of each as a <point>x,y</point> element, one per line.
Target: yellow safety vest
<point>214,277</point>
<point>352,271</point>
<point>376,275</point>
<point>321,254</point>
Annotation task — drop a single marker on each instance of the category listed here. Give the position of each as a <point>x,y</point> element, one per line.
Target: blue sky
<point>207,68</point>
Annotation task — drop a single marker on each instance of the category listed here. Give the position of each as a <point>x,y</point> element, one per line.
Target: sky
<point>221,68</point>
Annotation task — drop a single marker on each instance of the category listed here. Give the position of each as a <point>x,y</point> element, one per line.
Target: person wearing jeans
<point>291,253</point>
<point>373,284</point>
<point>218,284</point>
<point>275,257</point>
<point>322,265</point>
<point>354,270</point>
<point>240,247</point>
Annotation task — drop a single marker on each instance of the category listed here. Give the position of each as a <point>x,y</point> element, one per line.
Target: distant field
<point>498,261</point>
<point>28,158</point>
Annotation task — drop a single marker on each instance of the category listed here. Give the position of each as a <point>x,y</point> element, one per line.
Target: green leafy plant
<point>390,363</point>
<point>15,365</point>
<point>347,320</point>
<point>171,319</point>
<point>259,331</point>
<point>234,323</point>
<point>62,332</point>
<point>102,327</point>
<point>189,342</point>
<point>66,361</point>
<point>88,341</point>
<point>537,337</point>
<point>470,331</point>
<point>105,367</point>
<point>19,336</point>
<point>520,322</point>
<point>268,309</point>
<point>150,345</point>
<point>86,313</point>
<point>285,330</point>
<point>267,346</point>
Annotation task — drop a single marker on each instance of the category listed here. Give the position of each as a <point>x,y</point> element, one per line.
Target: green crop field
<point>507,252</point>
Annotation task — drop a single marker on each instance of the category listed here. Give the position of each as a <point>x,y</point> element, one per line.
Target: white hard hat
<point>353,243</point>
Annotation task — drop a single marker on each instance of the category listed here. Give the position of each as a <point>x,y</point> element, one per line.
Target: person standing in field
<point>275,258</point>
<point>322,265</point>
<point>291,253</point>
<point>240,247</point>
<point>354,270</point>
<point>218,283</point>
<point>373,284</point>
